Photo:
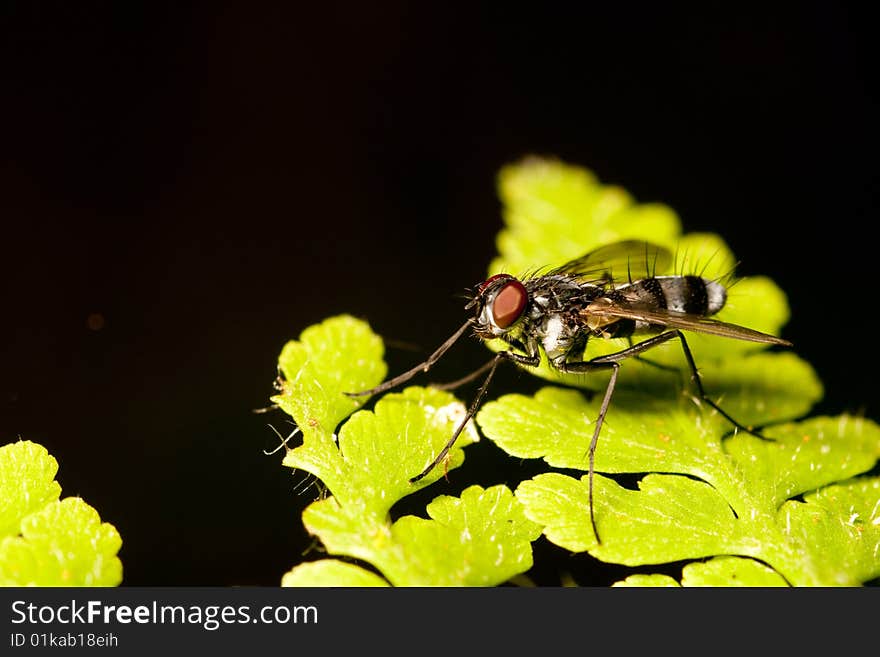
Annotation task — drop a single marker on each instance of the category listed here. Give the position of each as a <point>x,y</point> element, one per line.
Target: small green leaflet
<point>27,483</point>
<point>480,539</point>
<point>47,542</point>
<point>339,355</point>
<point>744,503</point>
<point>484,534</point>
<point>720,571</point>
<point>331,572</point>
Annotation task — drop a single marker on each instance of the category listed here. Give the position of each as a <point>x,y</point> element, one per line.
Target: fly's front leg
<point>421,367</point>
<point>533,359</point>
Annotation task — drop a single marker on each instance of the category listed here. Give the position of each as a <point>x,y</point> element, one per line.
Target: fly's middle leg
<point>591,366</point>
<point>612,362</point>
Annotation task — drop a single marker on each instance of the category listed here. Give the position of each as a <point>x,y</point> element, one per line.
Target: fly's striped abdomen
<point>684,294</point>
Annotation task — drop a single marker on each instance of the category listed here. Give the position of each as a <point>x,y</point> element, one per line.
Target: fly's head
<point>499,303</point>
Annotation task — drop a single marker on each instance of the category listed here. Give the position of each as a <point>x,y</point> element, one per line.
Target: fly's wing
<point>607,308</point>
<point>628,260</point>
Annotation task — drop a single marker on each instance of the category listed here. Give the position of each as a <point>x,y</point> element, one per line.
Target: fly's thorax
<point>556,293</point>
<point>557,334</point>
<point>554,313</point>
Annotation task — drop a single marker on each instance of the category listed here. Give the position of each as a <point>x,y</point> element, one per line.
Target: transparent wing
<point>628,260</point>
<point>674,319</point>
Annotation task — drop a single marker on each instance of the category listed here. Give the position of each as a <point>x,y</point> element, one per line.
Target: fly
<point>560,311</point>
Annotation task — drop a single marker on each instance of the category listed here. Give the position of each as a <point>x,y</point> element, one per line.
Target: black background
<point>211,179</point>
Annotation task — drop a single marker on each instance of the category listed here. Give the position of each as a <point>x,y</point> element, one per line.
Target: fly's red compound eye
<point>509,303</point>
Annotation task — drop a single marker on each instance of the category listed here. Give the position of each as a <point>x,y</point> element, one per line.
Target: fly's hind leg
<point>701,393</point>
<point>663,367</point>
<point>650,343</point>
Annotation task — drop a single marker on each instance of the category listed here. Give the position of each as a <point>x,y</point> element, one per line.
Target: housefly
<point>559,311</point>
